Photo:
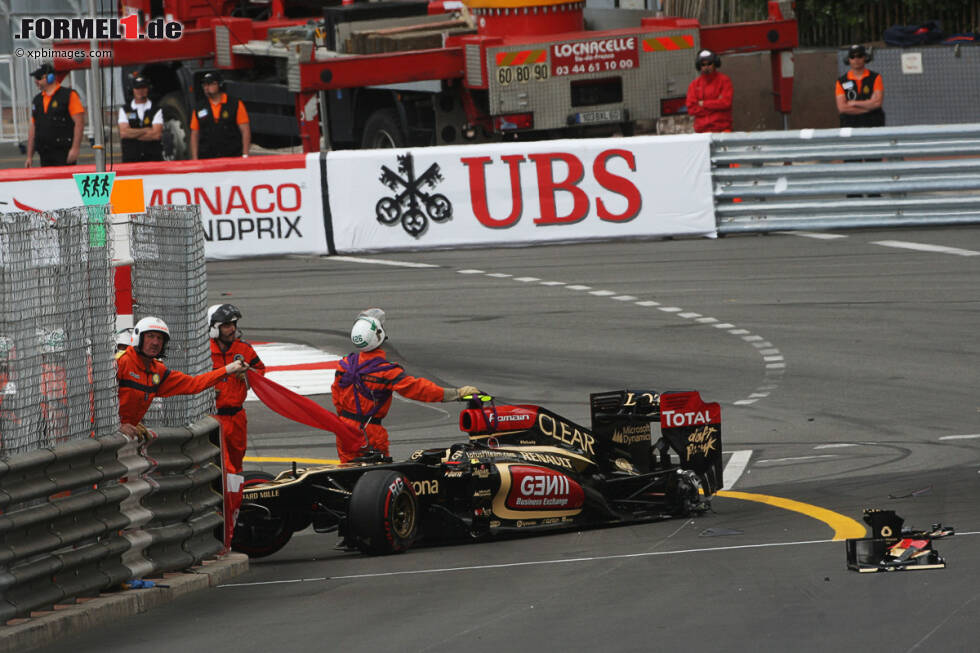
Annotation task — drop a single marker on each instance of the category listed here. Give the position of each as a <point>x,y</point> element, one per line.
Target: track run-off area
<point>846,365</point>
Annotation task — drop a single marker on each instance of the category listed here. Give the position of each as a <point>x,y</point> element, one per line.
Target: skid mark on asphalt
<point>772,359</point>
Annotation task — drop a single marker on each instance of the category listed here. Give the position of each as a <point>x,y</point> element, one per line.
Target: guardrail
<point>846,178</point>
<point>86,516</point>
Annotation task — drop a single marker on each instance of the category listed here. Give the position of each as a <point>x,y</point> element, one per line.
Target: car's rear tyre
<point>259,533</point>
<point>383,515</point>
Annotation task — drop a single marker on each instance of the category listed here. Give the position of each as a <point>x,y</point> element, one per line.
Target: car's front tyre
<point>383,515</point>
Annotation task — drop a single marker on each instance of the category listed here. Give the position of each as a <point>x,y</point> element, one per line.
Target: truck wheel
<point>383,514</point>
<point>259,532</point>
<point>176,128</point>
<point>383,130</point>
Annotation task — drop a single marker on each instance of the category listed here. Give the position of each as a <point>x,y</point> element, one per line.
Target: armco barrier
<point>88,515</point>
<point>846,178</point>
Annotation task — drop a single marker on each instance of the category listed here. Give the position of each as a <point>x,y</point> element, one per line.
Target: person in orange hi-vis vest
<point>365,381</point>
<point>142,377</point>
<point>226,347</point>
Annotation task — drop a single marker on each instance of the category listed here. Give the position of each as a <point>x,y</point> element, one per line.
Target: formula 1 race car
<point>523,469</point>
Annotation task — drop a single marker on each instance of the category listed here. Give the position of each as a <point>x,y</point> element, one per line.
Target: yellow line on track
<point>844,527</point>
<point>309,461</point>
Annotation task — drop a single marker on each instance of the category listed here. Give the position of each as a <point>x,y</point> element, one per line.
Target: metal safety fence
<point>846,178</point>
<point>169,278</point>
<point>84,517</point>
<point>57,373</point>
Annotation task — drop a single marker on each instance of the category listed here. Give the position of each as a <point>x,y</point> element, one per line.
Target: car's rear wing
<point>621,422</point>
<point>693,429</point>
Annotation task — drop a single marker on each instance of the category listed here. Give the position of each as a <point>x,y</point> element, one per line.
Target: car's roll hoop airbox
<point>621,423</point>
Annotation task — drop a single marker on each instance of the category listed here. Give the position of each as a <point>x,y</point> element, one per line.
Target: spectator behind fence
<point>709,96</point>
<point>57,121</point>
<point>860,92</point>
<point>142,377</point>
<point>219,126</point>
<point>141,125</point>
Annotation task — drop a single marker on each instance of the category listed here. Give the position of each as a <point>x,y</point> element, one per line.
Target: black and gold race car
<point>523,469</point>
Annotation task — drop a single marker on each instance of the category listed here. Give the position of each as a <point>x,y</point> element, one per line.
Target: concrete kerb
<point>43,628</point>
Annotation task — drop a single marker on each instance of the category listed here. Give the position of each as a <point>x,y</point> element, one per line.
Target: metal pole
<point>95,101</point>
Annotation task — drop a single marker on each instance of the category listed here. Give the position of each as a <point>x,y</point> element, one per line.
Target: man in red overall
<point>364,383</point>
<point>142,377</point>
<point>226,347</point>
<point>709,97</point>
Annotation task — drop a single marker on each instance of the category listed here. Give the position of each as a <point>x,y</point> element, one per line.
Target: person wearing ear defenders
<point>860,92</point>
<point>57,121</point>
<point>709,96</point>
<point>219,125</point>
<point>226,346</point>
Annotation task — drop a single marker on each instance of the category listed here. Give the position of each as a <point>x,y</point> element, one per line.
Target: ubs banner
<point>520,193</point>
<point>256,207</point>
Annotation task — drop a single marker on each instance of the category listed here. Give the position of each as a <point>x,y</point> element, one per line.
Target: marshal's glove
<point>465,391</point>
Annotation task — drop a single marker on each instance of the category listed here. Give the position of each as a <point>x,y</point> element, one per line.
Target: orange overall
<point>362,395</point>
<point>141,379</point>
<point>231,394</point>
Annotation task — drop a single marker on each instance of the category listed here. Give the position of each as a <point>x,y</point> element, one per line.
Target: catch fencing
<point>169,279</point>
<point>83,507</point>
<point>846,178</point>
<point>57,373</point>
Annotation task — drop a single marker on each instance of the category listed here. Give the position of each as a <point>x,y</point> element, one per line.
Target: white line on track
<point>737,463</point>
<point>960,437</point>
<point>795,459</point>
<point>381,261</point>
<point>773,361</point>
<point>813,234</point>
<point>530,563</point>
<point>922,247</point>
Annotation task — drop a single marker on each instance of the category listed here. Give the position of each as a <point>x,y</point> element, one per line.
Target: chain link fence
<point>170,282</point>
<point>57,373</point>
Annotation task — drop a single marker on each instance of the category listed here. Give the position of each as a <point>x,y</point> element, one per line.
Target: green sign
<point>95,189</point>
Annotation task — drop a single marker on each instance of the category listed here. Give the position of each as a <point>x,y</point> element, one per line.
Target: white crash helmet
<point>124,337</point>
<point>368,331</point>
<point>219,314</point>
<point>146,325</point>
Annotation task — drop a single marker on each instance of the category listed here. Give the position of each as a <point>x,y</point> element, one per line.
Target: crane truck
<point>431,72</point>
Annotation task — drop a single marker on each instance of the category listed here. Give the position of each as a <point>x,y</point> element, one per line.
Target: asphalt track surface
<point>847,369</point>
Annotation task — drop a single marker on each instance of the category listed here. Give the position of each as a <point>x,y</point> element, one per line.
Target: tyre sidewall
<point>371,525</point>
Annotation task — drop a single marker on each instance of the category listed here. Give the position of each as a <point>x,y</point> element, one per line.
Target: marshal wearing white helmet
<point>365,381</point>
<point>142,376</point>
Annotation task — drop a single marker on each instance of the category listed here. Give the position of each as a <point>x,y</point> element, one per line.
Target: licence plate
<point>610,115</point>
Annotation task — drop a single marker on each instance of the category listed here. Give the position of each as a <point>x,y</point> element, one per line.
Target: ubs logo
<point>407,204</point>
